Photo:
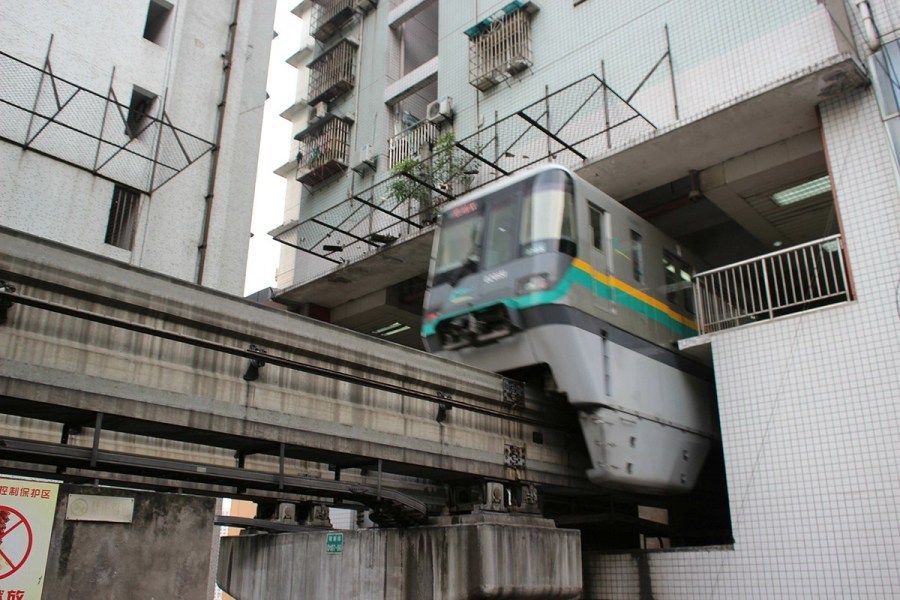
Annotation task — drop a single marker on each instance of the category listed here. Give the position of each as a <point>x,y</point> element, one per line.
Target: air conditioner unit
<point>364,158</point>
<point>364,6</point>
<point>320,109</point>
<point>440,110</point>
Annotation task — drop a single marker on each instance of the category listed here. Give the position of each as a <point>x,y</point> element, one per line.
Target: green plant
<point>404,188</point>
<point>445,170</point>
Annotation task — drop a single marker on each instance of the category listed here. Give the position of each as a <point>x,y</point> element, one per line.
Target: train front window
<point>501,243</point>
<point>460,242</point>
<point>531,217</point>
<point>548,216</point>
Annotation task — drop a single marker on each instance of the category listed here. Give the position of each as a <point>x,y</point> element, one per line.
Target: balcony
<point>323,150</point>
<point>500,46</point>
<point>332,73</point>
<point>789,281</point>
<point>409,142</point>
<point>328,17</point>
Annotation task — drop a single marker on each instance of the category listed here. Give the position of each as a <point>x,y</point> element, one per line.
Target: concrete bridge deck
<point>111,373</point>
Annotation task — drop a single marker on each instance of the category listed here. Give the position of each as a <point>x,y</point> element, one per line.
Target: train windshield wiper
<point>469,266</point>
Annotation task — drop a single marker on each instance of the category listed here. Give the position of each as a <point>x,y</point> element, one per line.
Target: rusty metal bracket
<point>514,456</point>
<point>5,302</point>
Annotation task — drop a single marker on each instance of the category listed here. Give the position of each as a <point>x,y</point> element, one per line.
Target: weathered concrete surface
<point>63,361</point>
<point>163,553</point>
<point>454,558</point>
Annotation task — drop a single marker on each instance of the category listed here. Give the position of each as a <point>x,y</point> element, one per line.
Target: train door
<point>599,257</point>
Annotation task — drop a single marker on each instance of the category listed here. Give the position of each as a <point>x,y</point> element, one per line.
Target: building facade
<point>748,131</point>
<point>131,130</point>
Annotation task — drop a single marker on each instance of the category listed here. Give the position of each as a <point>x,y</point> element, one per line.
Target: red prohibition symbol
<point>13,552</point>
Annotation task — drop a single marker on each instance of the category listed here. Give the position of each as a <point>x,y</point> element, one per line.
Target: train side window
<point>596,226</point>
<point>637,256</point>
<point>678,281</point>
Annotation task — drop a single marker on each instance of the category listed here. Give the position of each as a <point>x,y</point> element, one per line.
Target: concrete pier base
<point>452,558</point>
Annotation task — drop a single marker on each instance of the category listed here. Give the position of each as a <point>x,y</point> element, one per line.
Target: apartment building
<point>763,136</point>
<point>131,129</point>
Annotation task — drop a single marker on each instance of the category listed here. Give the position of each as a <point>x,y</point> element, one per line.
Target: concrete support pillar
<point>453,558</point>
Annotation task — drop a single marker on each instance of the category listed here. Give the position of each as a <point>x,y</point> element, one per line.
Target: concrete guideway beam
<point>175,372</point>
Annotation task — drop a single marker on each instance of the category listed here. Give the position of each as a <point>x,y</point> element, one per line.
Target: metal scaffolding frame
<point>584,119</point>
<point>44,113</point>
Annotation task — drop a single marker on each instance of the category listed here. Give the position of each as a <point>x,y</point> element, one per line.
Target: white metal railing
<point>409,142</point>
<point>792,280</point>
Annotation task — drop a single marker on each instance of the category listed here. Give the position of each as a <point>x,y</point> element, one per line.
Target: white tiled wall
<point>810,421</point>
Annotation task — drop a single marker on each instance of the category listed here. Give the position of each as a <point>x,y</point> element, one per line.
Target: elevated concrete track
<point>110,373</point>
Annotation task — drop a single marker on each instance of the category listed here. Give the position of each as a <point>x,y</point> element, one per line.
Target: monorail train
<point>544,270</point>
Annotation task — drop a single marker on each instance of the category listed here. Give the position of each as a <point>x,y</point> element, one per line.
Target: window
<point>596,226</point>
<point>157,16</point>
<point>637,256</point>
<point>678,282</point>
<point>123,213</point>
<point>500,45</point>
<point>884,67</point>
<point>138,111</point>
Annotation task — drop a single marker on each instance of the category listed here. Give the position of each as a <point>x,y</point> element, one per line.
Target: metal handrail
<point>409,142</point>
<point>776,284</point>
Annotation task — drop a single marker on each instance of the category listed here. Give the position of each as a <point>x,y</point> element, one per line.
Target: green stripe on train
<point>576,276</point>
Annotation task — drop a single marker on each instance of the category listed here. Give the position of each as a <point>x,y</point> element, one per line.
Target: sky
<point>275,146</point>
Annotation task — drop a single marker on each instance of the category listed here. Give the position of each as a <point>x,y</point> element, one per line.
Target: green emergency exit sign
<point>334,543</point>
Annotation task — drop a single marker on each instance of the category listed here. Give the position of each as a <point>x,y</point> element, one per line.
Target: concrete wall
<point>99,44</point>
<point>808,409</point>
<point>479,556</point>
<point>165,552</point>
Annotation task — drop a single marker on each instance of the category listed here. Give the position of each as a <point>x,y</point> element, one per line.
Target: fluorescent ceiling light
<point>809,189</point>
<point>392,329</point>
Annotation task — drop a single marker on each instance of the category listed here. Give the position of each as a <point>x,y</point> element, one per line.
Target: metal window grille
<point>328,16</point>
<point>123,213</point>
<point>501,51</point>
<point>332,73</point>
<point>323,151</point>
<point>409,142</point>
<point>792,280</point>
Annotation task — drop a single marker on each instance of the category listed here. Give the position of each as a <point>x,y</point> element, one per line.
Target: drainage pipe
<point>228,57</point>
<point>870,32</point>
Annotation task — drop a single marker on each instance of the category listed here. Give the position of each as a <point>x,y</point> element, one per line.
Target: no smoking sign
<point>16,540</point>
<point>27,509</point>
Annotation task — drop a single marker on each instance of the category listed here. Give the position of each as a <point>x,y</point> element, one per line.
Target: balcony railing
<point>789,281</point>
<point>332,73</point>
<point>323,150</point>
<point>409,142</point>
<point>328,16</point>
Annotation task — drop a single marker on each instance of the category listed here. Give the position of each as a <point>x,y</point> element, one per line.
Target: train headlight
<point>533,283</point>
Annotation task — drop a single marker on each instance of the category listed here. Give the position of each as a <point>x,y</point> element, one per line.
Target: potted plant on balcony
<point>445,170</point>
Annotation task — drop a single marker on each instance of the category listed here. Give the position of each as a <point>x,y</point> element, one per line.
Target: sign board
<point>109,509</point>
<point>26,520</point>
<point>334,543</point>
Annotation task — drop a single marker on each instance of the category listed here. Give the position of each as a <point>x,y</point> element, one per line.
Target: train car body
<point>544,270</point>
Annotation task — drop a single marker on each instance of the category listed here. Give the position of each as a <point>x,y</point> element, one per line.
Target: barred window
<point>123,214</point>
<point>332,73</point>
<point>500,46</point>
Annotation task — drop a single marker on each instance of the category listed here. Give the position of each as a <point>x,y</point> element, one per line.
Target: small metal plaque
<point>107,509</point>
<point>334,543</point>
